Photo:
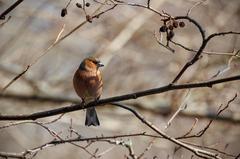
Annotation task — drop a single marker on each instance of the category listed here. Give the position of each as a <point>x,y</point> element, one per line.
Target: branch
<point>200,153</point>
<point>194,6</point>
<point>14,79</point>
<point>182,107</point>
<point>11,155</point>
<point>232,54</point>
<point>201,48</point>
<point>150,144</point>
<point>201,132</point>
<point>199,27</point>
<point>3,23</point>
<point>57,100</point>
<point>59,141</point>
<point>8,10</point>
<point>135,95</point>
<point>56,42</point>
<point>212,149</point>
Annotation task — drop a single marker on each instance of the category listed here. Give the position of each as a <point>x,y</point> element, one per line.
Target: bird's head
<point>90,64</point>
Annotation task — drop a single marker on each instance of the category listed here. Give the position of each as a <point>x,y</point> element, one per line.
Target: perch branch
<point>135,95</point>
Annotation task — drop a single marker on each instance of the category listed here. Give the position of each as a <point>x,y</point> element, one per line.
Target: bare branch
<point>206,52</point>
<point>220,72</point>
<point>160,43</point>
<point>182,107</point>
<point>3,23</point>
<point>210,148</point>
<point>147,148</point>
<point>145,7</point>
<point>12,155</point>
<point>31,122</point>
<point>194,6</point>
<point>198,152</point>
<point>135,95</point>
<point>57,41</point>
<point>201,48</point>
<point>201,132</point>
<point>31,64</point>
<point>191,129</point>
<point>8,10</point>
<point>14,79</point>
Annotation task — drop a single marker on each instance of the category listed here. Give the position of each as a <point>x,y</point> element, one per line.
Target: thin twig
<point>199,152</point>
<point>181,108</point>
<point>191,129</point>
<point>147,148</point>
<point>234,54</point>
<point>201,132</point>
<point>31,122</point>
<point>206,52</point>
<point>14,79</point>
<point>3,23</point>
<point>194,6</point>
<point>97,15</point>
<point>160,43</point>
<point>210,148</point>
<point>205,41</point>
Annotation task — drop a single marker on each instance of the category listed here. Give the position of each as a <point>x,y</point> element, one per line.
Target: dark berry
<point>63,12</point>
<point>175,24</point>
<point>170,35</point>
<point>170,27</point>
<point>78,5</point>
<point>87,4</point>
<point>163,28</point>
<point>181,24</point>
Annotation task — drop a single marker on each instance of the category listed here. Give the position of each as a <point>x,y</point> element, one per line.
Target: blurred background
<point>123,39</point>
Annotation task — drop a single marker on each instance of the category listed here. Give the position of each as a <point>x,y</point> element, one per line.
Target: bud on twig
<point>63,12</point>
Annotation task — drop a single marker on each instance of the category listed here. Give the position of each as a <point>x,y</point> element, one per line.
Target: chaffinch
<point>87,82</point>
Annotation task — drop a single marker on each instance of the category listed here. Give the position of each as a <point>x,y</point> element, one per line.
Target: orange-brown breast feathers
<point>88,84</point>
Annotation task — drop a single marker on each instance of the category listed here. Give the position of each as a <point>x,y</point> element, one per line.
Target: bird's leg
<point>83,103</point>
<point>96,99</point>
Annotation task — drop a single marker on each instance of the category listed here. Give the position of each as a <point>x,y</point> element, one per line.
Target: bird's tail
<point>91,117</point>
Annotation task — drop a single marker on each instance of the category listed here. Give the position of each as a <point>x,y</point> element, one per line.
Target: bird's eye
<point>96,62</point>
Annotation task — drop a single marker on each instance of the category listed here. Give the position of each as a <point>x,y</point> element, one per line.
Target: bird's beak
<point>99,64</point>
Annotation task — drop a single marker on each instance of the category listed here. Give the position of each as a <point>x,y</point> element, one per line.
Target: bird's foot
<point>83,103</point>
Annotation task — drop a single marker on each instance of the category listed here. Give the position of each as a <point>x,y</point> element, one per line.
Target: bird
<point>88,84</point>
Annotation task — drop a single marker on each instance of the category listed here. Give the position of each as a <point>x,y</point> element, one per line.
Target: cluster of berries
<point>80,6</point>
<point>170,26</point>
<point>64,10</point>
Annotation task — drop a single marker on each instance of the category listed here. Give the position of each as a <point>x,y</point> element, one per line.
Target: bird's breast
<point>88,85</point>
